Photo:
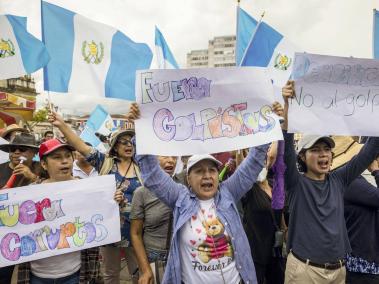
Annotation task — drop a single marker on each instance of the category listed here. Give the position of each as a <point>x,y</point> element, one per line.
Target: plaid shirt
<point>89,270</point>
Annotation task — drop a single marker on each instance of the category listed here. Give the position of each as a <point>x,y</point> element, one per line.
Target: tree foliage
<point>40,115</point>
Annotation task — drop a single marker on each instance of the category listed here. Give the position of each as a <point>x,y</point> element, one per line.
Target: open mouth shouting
<point>324,165</point>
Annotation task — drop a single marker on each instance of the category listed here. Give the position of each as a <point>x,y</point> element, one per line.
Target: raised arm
<point>360,162</point>
<point>246,174</point>
<point>363,193</point>
<point>291,175</point>
<point>158,181</point>
<point>73,139</point>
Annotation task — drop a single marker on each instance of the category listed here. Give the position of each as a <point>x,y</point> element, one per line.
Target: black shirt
<point>259,224</point>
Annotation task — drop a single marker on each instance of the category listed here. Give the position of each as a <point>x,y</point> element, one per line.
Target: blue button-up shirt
<point>185,204</point>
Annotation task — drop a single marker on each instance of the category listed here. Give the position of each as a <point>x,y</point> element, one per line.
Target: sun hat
<point>12,127</point>
<point>51,145</point>
<point>129,129</point>
<point>22,140</point>
<point>194,159</point>
<point>345,149</point>
<point>307,141</point>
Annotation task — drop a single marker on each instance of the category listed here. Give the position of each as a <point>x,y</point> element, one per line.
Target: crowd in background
<point>289,212</point>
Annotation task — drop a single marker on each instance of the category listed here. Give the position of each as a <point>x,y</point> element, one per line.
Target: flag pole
<point>252,37</point>
<point>235,49</point>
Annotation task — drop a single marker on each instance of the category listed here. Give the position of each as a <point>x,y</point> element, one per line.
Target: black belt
<point>328,265</point>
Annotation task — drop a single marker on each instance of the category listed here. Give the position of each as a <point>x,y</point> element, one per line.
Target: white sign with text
<point>197,111</point>
<point>335,95</point>
<point>44,220</point>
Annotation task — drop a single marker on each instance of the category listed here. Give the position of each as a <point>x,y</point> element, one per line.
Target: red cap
<point>51,145</point>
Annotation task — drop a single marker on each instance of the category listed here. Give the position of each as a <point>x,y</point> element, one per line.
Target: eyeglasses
<point>20,148</point>
<point>125,142</point>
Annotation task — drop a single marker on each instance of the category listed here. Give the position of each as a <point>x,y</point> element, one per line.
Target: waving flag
<point>99,122</point>
<point>269,48</point>
<point>20,52</point>
<point>164,56</point>
<point>376,35</point>
<point>88,57</point>
<point>245,29</point>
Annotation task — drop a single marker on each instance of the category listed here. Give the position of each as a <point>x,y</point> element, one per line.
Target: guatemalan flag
<point>268,48</point>
<point>99,122</point>
<point>88,57</point>
<point>245,29</point>
<point>20,52</point>
<point>164,55</point>
<point>376,35</point>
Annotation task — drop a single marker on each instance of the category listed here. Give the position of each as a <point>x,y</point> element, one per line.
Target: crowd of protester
<point>289,212</point>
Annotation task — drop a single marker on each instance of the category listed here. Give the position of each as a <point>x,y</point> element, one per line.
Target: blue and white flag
<point>89,57</point>
<point>376,35</point>
<point>245,29</point>
<point>268,48</point>
<point>20,52</point>
<point>164,55</point>
<point>98,122</point>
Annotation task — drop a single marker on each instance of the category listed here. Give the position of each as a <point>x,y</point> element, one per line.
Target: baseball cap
<point>193,160</point>
<point>307,141</point>
<point>51,145</point>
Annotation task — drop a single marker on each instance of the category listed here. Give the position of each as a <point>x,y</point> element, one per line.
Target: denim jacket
<point>185,204</point>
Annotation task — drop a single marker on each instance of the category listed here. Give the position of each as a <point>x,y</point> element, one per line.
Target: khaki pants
<point>112,263</point>
<point>300,272</point>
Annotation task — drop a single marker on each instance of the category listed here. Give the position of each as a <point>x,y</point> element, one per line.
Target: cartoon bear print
<point>217,244</point>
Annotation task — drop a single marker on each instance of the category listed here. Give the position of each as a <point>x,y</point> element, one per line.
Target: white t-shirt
<point>57,266</point>
<point>206,252</point>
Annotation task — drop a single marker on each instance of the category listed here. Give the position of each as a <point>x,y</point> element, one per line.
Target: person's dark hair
<point>301,166</point>
<point>48,132</point>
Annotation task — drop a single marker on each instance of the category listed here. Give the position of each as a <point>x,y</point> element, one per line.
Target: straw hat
<point>345,149</point>
<point>12,127</point>
<point>129,130</point>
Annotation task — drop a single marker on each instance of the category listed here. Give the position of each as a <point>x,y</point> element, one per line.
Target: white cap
<point>193,160</point>
<point>307,141</point>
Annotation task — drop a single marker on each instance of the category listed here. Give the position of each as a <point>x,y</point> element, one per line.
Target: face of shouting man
<point>318,160</point>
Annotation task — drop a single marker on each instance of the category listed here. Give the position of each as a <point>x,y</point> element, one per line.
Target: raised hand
<point>288,91</point>
<point>134,112</point>
<point>277,108</point>
<point>24,170</point>
<point>55,119</point>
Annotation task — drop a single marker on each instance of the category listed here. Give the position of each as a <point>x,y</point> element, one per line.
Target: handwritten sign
<point>335,95</point>
<point>40,221</point>
<point>194,111</point>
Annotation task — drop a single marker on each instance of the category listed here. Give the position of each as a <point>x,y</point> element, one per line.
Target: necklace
<point>124,176</point>
<point>204,221</point>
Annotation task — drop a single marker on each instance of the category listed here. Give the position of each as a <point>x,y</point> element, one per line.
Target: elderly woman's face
<point>203,179</point>
<point>167,163</point>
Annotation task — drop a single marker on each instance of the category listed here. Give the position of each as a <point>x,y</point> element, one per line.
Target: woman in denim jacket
<point>208,244</point>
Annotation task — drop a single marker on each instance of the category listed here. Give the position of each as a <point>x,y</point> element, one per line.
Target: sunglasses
<point>125,142</point>
<point>20,148</point>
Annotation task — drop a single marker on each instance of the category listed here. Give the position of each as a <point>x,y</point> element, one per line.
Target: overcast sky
<point>333,27</point>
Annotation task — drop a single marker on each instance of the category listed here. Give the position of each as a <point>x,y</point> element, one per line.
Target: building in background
<point>17,100</point>
<point>220,53</point>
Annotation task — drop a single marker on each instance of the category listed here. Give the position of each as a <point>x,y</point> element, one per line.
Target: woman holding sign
<point>208,243</point>
<point>117,161</point>
<point>75,267</point>
<point>317,238</point>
